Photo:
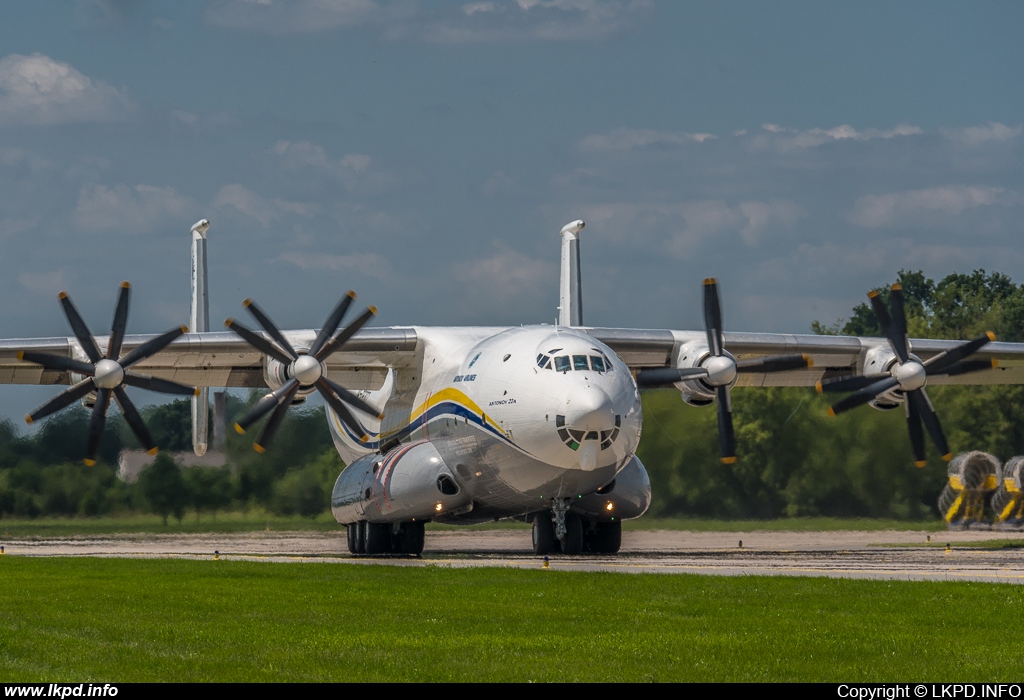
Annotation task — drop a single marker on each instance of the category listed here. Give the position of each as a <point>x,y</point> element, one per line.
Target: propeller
<point>719,371</point>
<point>304,369</point>
<point>106,374</point>
<point>908,375</point>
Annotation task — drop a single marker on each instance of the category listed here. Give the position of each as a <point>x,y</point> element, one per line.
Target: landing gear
<point>409,539</point>
<point>605,538</point>
<point>572,541</point>
<point>544,541</point>
<point>385,538</point>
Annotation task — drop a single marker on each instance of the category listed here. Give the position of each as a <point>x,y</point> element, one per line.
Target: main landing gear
<point>561,531</point>
<point>385,538</point>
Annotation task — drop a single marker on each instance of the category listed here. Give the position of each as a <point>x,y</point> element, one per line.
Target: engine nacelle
<point>627,496</point>
<point>694,391</point>
<point>276,373</point>
<point>411,482</point>
<point>880,360</point>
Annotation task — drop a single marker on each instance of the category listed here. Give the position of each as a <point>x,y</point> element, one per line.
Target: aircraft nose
<point>589,408</point>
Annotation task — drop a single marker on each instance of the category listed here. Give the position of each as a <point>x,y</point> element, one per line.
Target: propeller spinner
<point>908,375</point>
<point>106,375</point>
<point>305,368</point>
<point>719,371</point>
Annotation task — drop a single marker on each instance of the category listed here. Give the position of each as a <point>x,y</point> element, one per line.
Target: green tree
<point>163,487</point>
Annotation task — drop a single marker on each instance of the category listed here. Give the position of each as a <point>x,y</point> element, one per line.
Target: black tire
<point>410,538</point>
<point>607,538</point>
<point>544,541</point>
<point>353,538</point>
<point>377,538</point>
<point>572,543</point>
<point>360,535</point>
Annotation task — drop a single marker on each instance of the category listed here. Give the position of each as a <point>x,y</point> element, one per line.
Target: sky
<point>426,154</point>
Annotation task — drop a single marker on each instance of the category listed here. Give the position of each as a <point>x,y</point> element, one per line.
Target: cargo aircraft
<point>469,424</point>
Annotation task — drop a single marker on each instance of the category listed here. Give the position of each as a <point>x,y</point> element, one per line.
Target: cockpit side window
<point>597,363</point>
<point>543,361</point>
<point>562,363</point>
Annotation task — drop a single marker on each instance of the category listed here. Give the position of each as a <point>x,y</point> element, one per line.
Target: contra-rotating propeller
<point>304,369</point>
<point>106,375</point>
<point>908,375</point>
<point>718,372</point>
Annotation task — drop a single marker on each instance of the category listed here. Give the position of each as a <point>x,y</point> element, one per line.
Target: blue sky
<point>426,155</point>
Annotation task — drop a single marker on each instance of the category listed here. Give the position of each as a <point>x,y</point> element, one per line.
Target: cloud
<point>682,228</point>
<point>627,139</point>
<point>43,283</point>
<point>266,211</point>
<point>448,23</point>
<point>930,206</point>
<point>784,138</point>
<point>352,170</point>
<point>368,264</point>
<point>131,210</point>
<point>37,89</point>
<point>993,132</point>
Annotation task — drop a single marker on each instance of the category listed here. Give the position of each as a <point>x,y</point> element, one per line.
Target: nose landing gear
<point>565,532</point>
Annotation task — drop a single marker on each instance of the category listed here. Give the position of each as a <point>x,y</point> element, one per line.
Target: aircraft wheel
<point>573,541</point>
<point>353,537</point>
<point>360,536</point>
<point>410,538</point>
<point>544,541</point>
<point>377,538</point>
<point>607,538</point>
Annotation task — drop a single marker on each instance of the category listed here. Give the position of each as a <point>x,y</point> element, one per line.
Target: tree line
<point>793,459</point>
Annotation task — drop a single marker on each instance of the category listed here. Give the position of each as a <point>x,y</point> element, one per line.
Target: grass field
<point>175,620</point>
<point>256,520</point>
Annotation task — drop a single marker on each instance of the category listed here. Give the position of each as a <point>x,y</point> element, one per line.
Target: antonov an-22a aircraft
<point>464,425</point>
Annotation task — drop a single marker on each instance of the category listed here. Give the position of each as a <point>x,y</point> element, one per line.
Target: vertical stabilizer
<point>199,322</point>
<point>570,293</point>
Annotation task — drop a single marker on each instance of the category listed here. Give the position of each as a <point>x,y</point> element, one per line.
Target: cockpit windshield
<point>564,363</point>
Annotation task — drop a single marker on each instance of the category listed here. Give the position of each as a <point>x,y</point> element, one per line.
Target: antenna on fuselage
<point>570,286</point>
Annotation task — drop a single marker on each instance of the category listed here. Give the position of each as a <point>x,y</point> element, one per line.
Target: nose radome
<point>589,408</point>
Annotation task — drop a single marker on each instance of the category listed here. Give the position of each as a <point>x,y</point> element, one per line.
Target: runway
<point>898,555</point>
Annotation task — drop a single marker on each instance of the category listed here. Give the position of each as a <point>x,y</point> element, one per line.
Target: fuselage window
<point>597,363</point>
<point>562,363</point>
<point>579,362</point>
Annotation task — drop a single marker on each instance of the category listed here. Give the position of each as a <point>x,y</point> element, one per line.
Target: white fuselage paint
<point>481,398</point>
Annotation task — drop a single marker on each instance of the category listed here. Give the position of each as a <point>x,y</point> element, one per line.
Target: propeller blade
<point>96,424</point>
<point>966,367</point>
<point>263,441</point>
<point>916,435</point>
<point>332,323</point>
<point>134,420</point>
<point>152,347</point>
<point>923,405</point>
<point>341,410</point>
<point>726,437</point>
<point>270,328</point>
<point>65,398</point>
<point>265,405</point>
<point>57,363</point>
<point>943,360</point>
<point>863,396</point>
<point>884,319</point>
<point>332,345</point>
<point>667,376</point>
<point>120,323</point>
<point>899,323</point>
<point>778,363</point>
<point>257,342</point>
<point>164,386</point>
<point>713,316</point>
<point>79,328</point>
<point>351,399</point>
<point>849,383</point>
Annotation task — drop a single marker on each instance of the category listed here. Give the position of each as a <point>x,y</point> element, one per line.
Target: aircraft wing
<point>834,356</point>
<point>222,359</point>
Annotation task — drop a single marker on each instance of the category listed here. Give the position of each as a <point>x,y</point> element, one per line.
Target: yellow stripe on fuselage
<point>455,396</point>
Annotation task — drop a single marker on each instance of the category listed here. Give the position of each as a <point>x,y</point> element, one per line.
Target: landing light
<point>438,507</point>
<point>610,506</point>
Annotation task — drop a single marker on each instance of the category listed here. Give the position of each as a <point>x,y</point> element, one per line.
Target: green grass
<point>102,620</point>
<point>257,520</point>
